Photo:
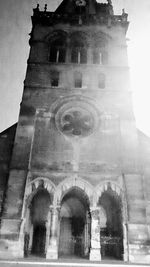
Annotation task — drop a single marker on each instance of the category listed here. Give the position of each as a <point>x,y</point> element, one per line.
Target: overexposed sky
<point>15,26</point>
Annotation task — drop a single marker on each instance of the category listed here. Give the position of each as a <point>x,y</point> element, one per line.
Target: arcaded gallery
<point>74,170</point>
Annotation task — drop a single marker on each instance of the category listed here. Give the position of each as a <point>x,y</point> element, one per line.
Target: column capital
<point>94,208</point>
<point>95,211</point>
<point>55,209</point>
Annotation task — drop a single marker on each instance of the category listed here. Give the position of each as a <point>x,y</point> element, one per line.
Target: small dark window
<point>78,79</point>
<point>55,79</point>
<point>101,80</point>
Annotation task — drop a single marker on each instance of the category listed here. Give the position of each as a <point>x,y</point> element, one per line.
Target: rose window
<point>76,119</point>
<point>77,122</point>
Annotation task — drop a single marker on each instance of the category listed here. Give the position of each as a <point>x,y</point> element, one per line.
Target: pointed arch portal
<point>111,225</point>
<point>85,215</point>
<point>39,196</point>
<point>39,212</point>
<point>74,237</point>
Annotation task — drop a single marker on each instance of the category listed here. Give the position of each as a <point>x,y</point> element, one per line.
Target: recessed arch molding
<point>58,192</point>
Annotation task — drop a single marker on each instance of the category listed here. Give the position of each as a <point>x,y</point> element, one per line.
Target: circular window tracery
<point>77,122</point>
<point>76,119</point>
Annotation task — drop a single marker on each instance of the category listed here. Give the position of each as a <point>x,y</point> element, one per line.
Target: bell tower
<point>75,164</point>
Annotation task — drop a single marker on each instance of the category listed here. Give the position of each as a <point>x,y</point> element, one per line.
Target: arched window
<point>78,79</point>
<point>58,50</point>
<point>100,56</point>
<point>78,52</point>
<point>101,80</point>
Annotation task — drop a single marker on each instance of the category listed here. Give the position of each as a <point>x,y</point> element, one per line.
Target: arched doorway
<point>36,232</point>
<point>39,239</point>
<point>111,225</point>
<point>75,223</point>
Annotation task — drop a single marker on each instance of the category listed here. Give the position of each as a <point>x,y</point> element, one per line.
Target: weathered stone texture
<point>6,146</point>
<point>15,193</point>
<point>76,145</point>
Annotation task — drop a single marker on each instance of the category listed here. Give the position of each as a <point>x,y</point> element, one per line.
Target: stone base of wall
<point>139,253</point>
<point>95,254</point>
<point>52,253</point>
<point>11,249</point>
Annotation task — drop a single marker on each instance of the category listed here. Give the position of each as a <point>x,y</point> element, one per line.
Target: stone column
<point>31,238</point>
<point>95,253</point>
<point>52,250</point>
<point>125,242</point>
<point>87,239</point>
<point>48,225</point>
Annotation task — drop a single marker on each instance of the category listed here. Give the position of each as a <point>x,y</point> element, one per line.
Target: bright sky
<point>15,25</point>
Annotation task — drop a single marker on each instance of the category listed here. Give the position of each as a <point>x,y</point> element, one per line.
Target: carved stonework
<point>76,122</point>
<point>70,183</point>
<point>76,119</point>
<point>95,213</point>
<point>102,187</point>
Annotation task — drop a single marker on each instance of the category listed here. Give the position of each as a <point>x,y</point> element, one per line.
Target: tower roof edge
<point>84,11</point>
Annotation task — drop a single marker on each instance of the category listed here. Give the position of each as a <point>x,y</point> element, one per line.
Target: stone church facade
<point>74,169</point>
